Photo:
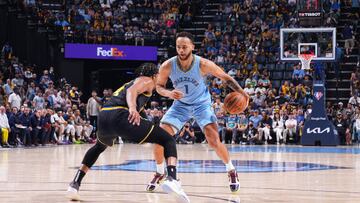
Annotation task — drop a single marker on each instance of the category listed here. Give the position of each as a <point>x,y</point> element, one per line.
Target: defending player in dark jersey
<point>120,117</point>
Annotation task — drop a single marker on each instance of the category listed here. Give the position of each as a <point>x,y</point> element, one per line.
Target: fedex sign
<point>110,52</point>
<point>114,52</point>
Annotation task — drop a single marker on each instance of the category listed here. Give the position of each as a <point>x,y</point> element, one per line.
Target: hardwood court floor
<point>267,174</point>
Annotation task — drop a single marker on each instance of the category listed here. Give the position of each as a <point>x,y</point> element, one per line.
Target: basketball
<point>235,103</point>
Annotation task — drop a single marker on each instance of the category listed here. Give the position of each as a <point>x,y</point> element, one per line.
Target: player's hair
<point>187,35</point>
<point>147,69</point>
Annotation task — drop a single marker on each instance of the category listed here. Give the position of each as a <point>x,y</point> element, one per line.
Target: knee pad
<point>161,137</point>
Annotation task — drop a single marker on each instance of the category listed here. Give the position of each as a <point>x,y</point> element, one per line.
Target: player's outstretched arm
<point>164,73</point>
<point>141,85</point>
<point>209,67</point>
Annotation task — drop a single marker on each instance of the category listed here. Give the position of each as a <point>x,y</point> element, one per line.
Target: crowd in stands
<point>37,109</point>
<point>134,22</point>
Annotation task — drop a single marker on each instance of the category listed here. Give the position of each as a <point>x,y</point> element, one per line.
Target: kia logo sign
<point>318,130</point>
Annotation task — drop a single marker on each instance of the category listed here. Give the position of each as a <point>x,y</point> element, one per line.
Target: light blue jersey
<point>196,102</point>
<point>191,83</point>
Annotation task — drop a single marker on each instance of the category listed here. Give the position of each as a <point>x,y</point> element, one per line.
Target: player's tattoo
<point>232,84</point>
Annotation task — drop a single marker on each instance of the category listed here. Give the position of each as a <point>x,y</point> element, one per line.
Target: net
<point>306,60</point>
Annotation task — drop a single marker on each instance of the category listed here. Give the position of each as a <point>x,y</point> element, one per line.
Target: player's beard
<point>185,58</point>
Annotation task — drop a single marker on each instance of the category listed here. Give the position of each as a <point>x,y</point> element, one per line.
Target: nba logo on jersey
<point>318,95</point>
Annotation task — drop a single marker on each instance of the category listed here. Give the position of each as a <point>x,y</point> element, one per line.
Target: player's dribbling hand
<point>134,117</point>
<point>176,94</point>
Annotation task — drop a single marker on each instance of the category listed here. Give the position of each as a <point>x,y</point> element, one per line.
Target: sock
<point>229,166</point>
<point>160,168</point>
<point>79,176</point>
<point>172,171</point>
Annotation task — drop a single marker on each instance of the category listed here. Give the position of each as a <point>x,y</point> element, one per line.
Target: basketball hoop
<point>306,60</point>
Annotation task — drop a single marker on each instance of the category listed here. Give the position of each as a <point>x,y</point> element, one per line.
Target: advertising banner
<point>110,52</point>
<point>318,128</point>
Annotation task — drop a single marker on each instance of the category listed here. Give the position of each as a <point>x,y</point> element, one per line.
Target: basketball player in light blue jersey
<point>191,97</point>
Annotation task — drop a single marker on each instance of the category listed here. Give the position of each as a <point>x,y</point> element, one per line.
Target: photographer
<point>187,135</point>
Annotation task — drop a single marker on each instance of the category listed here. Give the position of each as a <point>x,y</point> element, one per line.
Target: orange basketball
<point>235,103</point>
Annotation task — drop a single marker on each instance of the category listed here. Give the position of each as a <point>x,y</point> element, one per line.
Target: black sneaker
<point>73,191</point>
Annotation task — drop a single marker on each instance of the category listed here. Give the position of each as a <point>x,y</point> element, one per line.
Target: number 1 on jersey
<point>186,89</point>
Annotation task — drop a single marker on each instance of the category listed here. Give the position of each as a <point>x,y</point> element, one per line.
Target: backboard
<point>318,41</point>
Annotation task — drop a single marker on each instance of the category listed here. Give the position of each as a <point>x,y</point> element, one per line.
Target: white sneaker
<point>173,187</point>
<point>120,140</point>
<point>73,192</point>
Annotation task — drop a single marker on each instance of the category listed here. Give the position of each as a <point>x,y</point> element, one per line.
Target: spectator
<point>218,106</point>
<point>24,126</point>
<point>221,122</point>
<point>7,51</point>
<point>230,129</point>
<point>93,108</point>
<point>342,128</point>
<point>139,37</point>
<point>70,130</point>
<point>31,91</point>
<point>298,72</point>
<point>46,128</point>
<point>252,134</point>
<point>55,127</point>
<point>259,99</point>
<point>349,39</point>
<point>5,128</point>
<point>35,121</point>
<point>290,130</point>
<point>300,119</point>
<point>8,87</point>
<point>278,127</point>
<point>242,126</point>
<point>15,99</point>
<point>18,81</point>
<point>355,100</point>
<point>256,118</point>
<point>45,79</point>
<point>38,101</point>
<point>356,125</point>
<point>249,90</point>
<point>265,127</point>
<point>13,120</point>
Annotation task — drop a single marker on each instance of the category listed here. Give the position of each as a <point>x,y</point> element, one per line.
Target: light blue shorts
<point>179,113</point>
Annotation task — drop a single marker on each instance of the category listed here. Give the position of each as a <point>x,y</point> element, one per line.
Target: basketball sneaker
<point>173,187</point>
<point>73,191</point>
<point>155,182</point>
<point>234,183</point>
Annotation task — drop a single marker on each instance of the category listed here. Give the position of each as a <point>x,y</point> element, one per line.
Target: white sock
<point>160,168</point>
<point>229,166</point>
